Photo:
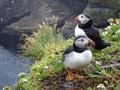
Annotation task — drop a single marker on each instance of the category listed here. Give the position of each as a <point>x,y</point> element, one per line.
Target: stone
<point>103,9</point>
<point>24,16</point>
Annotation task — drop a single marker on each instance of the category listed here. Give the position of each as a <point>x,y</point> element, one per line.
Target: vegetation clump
<point>46,50</point>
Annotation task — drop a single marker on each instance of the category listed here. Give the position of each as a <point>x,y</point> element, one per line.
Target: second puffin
<point>77,56</point>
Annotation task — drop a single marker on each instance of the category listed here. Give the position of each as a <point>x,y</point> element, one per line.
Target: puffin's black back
<point>68,50</point>
<point>94,34</point>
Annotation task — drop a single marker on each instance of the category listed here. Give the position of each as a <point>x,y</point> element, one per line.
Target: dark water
<point>10,66</point>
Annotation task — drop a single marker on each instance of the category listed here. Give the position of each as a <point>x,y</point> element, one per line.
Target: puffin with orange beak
<point>76,57</point>
<point>85,26</point>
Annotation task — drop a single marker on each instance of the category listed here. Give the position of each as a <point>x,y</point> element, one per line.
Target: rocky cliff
<point>23,16</point>
<point>103,9</point>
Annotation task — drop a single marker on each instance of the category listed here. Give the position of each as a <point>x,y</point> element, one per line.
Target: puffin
<point>85,26</point>
<point>77,56</point>
<point>105,23</point>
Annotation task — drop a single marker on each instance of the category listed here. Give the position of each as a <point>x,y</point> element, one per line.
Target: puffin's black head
<point>83,42</point>
<point>84,19</point>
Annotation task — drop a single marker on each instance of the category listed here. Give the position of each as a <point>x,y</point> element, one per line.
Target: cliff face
<point>23,16</point>
<point>103,9</point>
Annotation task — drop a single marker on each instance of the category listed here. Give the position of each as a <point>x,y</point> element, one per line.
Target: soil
<point>58,82</point>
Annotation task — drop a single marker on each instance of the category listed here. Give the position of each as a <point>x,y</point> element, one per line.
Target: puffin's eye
<point>82,40</point>
<point>81,16</point>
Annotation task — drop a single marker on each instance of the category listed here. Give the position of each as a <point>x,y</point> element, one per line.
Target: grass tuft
<point>46,49</point>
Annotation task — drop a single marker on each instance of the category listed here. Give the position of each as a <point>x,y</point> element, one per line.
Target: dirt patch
<point>58,82</point>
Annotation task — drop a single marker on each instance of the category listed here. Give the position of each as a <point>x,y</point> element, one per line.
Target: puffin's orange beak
<point>76,20</point>
<point>91,42</point>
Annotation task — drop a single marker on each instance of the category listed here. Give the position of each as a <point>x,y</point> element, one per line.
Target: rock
<point>24,16</point>
<point>110,3</point>
<point>10,37</point>
<point>11,29</point>
<point>102,9</point>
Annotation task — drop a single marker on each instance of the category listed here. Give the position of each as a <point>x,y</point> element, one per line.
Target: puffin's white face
<point>82,42</point>
<point>83,19</point>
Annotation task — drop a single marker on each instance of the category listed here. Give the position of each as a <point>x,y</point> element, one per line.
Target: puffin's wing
<point>93,33</point>
<point>67,51</point>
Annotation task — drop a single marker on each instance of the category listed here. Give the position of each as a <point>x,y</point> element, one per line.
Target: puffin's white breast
<point>79,32</point>
<point>76,60</point>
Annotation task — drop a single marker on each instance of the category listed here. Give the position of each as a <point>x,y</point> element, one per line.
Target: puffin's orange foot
<point>78,77</point>
<point>70,76</point>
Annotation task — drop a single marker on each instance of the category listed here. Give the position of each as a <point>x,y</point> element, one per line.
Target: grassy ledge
<point>47,51</point>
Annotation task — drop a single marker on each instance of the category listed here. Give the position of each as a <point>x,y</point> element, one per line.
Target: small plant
<point>97,74</point>
<point>117,87</point>
<point>44,43</point>
<point>112,32</point>
<point>7,88</point>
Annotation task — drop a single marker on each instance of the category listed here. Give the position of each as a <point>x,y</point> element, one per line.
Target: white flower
<point>114,36</point>
<point>118,31</point>
<point>104,33</point>
<point>108,28</point>
<point>60,61</point>
<point>101,87</point>
<point>46,67</point>
<point>7,88</point>
<point>37,74</point>
<point>24,80</point>
<point>22,74</point>
<point>112,24</point>
<point>98,62</point>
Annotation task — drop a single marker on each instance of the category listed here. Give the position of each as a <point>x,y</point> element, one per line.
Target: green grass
<point>47,53</point>
<point>46,50</point>
<point>112,32</point>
